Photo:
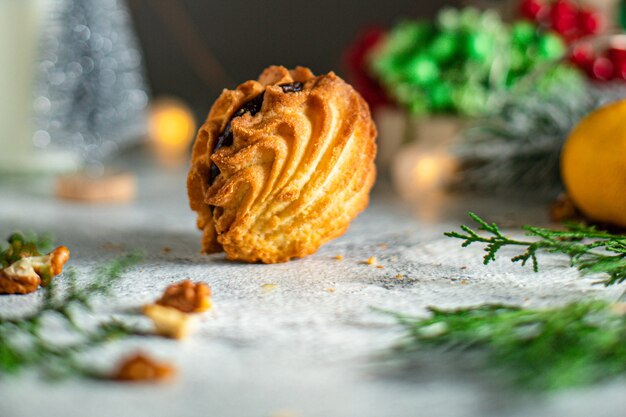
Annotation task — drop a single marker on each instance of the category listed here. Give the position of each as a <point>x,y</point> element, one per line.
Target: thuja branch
<point>589,249</point>
<point>577,344</point>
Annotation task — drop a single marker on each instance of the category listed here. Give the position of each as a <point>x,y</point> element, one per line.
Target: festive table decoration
<point>465,64</point>
<point>568,18</point>
<point>91,96</point>
<point>461,62</point>
<point>579,25</point>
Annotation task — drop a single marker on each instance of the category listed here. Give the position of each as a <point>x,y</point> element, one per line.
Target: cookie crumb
<point>399,276</point>
<point>167,249</point>
<point>339,257</point>
<point>371,261</point>
<point>379,266</point>
<point>268,287</point>
<point>383,246</point>
<point>330,289</point>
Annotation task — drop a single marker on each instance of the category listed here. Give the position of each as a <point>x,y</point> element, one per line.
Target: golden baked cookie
<point>281,165</point>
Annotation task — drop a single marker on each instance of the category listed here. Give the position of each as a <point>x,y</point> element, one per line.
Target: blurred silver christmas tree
<point>91,95</point>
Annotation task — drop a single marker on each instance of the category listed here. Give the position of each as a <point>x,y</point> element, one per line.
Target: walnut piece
<point>187,297</point>
<point>168,321</point>
<point>141,367</point>
<point>27,274</point>
<point>18,282</point>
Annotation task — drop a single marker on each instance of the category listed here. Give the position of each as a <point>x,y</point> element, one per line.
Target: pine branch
<point>573,345</point>
<point>590,250</point>
<point>517,149</point>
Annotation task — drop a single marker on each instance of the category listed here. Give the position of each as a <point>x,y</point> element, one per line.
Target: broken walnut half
<point>27,274</point>
<point>187,297</point>
<point>141,367</point>
<point>168,321</point>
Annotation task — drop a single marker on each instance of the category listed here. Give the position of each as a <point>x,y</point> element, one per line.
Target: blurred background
<point>193,49</point>
<point>469,96</point>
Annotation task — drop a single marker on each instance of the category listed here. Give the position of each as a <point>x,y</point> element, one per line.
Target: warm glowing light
<point>432,172</point>
<point>421,176</point>
<point>172,127</point>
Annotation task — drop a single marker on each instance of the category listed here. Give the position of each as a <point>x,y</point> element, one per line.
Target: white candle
<point>18,47</point>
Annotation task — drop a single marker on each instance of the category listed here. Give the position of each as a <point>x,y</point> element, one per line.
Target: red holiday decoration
<point>583,55</point>
<point>590,22</point>
<point>576,24</point>
<point>620,71</point>
<point>564,17</point>
<point>355,59</point>
<point>532,9</point>
<point>602,69</point>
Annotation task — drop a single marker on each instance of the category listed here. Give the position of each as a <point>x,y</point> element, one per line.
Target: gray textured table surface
<point>297,350</point>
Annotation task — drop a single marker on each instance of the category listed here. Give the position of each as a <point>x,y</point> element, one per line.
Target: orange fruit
<point>593,164</point>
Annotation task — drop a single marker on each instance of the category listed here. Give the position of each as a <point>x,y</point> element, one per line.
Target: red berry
<point>563,17</point>
<point>583,55</point>
<point>617,55</point>
<point>590,22</point>
<point>563,8</point>
<point>602,69</point>
<point>620,70</point>
<point>617,49</point>
<point>532,9</point>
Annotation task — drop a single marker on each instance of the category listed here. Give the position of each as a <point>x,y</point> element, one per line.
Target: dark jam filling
<point>253,107</point>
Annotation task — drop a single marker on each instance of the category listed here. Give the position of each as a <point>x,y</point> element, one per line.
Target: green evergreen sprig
<point>22,343</point>
<point>573,345</point>
<point>20,245</point>
<point>589,249</point>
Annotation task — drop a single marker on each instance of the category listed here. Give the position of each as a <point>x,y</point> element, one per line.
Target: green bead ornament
<point>463,61</point>
<point>421,70</point>
<point>490,21</point>
<point>412,98</point>
<point>471,100</point>
<point>511,79</point>
<point>469,18</point>
<point>449,19</point>
<point>408,36</point>
<point>480,46</point>
<point>622,14</point>
<point>518,59</point>
<point>443,47</point>
<point>523,33</point>
<point>550,47</point>
<point>440,96</point>
<point>559,76</point>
